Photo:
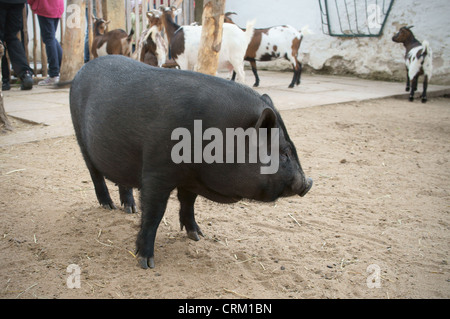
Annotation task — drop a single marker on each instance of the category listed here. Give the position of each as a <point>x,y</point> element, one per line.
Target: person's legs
<point>5,74</point>
<point>86,39</point>
<point>11,23</point>
<point>58,45</point>
<point>52,47</point>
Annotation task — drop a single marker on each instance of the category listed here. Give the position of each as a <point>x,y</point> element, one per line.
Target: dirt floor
<point>375,225</point>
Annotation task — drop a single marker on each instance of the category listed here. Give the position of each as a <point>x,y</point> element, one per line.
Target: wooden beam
<point>3,117</point>
<point>73,54</point>
<point>211,39</point>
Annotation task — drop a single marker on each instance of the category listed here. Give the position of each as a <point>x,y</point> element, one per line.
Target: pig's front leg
<point>187,218</point>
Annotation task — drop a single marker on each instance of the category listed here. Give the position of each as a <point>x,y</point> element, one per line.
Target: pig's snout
<point>307,186</point>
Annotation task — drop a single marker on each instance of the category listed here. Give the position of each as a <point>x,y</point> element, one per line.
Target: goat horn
<point>230,13</point>
<point>409,27</point>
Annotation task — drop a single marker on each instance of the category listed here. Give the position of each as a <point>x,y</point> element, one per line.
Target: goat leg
<point>234,76</point>
<point>255,72</point>
<point>425,86</point>
<point>299,73</point>
<point>407,81</point>
<point>413,88</point>
<point>294,77</point>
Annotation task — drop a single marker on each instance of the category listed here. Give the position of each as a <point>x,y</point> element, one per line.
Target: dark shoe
<point>6,86</point>
<point>27,81</point>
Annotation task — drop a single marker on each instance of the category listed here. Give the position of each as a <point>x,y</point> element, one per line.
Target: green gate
<point>354,18</point>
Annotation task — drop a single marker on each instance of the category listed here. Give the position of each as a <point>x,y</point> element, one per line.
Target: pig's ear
<point>268,119</point>
<point>267,99</point>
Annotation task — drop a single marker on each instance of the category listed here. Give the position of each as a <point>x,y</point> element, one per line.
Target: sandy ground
<point>375,224</point>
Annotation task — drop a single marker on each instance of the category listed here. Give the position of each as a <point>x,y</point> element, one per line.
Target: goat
<point>272,43</point>
<point>418,60</point>
<point>113,42</point>
<point>184,43</point>
<point>152,49</point>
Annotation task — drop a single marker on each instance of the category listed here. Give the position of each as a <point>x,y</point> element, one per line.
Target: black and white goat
<point>418,60</point>
<point>272,43</point>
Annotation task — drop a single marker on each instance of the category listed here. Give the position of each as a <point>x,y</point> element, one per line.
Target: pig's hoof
<point>130,209</point>
<point>194,235</point>
<point>109,206</point>
<point>146,262</point>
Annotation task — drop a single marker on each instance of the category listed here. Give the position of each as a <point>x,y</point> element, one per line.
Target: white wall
<point>377,57</point>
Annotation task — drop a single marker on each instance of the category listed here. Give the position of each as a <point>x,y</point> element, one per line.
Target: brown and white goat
<point>418,60</point>
<point>184,43</point>
<point>272,43</point>
<point>113,42</point>
<point>152,48</point>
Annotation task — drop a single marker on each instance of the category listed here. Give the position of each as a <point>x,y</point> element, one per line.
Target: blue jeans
<point>52,47</point>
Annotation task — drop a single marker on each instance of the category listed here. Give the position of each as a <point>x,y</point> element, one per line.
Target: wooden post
<point>34,44</point>
<point>90,26</point>
<point>44,60</point>
<point>136,18</point>
<point>61,32</point>
<point>211,41</point>
<point>114,10</point>
<point>25,32</point>
<point>99,9</point>
<point>73,55</point>
<point>128,12</point>
<point>3,117</point>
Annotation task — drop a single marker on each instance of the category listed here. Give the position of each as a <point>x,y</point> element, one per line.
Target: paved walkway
<point>50,107</point>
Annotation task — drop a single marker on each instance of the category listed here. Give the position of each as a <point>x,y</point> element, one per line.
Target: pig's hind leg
<point>155,193</point>
<point>187,218</point>
<point>127,199</point>
<point>101,190</point>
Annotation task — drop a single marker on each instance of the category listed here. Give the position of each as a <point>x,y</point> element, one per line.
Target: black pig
<point>125,114</point>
